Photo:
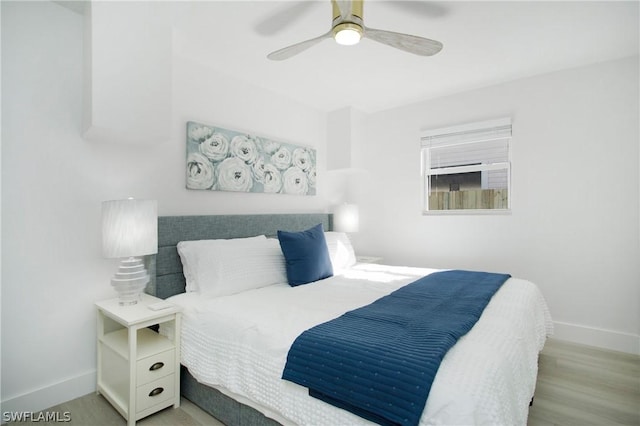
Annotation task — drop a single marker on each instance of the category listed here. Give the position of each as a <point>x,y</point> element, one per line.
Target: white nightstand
<point>368,259</point>
<point>138,369</point>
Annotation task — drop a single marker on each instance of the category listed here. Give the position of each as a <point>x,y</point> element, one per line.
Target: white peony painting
<point>225,160</point>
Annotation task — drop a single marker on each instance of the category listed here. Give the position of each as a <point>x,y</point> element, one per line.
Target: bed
<point>234,347</point>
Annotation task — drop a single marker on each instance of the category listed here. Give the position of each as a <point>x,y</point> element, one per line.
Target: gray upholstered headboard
<point>165,268</point>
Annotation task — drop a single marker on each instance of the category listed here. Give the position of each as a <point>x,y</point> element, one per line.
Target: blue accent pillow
<point>306,255</point>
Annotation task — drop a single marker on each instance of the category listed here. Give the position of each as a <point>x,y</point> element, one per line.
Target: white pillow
<point>340,250</point>
<point>242,268</point>
<point>203,261</point>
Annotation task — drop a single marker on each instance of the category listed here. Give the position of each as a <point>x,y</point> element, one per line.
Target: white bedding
<point>239,343</point>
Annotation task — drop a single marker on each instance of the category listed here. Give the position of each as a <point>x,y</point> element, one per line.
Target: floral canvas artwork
<point>220,159</point>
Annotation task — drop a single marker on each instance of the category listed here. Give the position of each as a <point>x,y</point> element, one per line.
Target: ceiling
<point>485,43</point>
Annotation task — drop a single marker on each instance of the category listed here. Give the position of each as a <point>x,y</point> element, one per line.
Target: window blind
<point>468,133</point>
<point>471,144</point>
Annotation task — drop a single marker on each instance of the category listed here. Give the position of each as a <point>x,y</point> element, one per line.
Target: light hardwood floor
<point>94,410</point>
<point>581,385</point>
<point>577,385</point>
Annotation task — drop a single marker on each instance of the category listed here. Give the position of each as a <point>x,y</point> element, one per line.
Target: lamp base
<point>130,280</point>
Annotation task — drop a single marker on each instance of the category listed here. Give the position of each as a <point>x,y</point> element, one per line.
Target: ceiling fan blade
<point>283,17</point>
<point>294,49</point>
<point>409,43</point>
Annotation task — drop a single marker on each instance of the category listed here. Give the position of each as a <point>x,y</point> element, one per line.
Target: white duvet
<point>238,344</point>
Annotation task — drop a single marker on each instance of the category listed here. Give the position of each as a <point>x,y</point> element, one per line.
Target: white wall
<point>574,223</point>
<point>53,182</point>
<point>127,67</point>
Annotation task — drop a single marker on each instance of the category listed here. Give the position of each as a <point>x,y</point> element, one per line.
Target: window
<point>467,168</point>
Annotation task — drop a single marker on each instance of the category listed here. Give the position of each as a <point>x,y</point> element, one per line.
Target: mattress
<point>239,343</point>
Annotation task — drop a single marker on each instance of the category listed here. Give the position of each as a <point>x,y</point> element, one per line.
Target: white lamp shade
<point>129,228</point>
<point>346,218</point>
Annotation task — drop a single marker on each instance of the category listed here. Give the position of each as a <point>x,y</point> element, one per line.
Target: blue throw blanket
<point>379,361</point>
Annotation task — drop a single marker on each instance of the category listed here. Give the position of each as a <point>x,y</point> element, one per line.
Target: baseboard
<point>48,396</point>
<point>598,337</point>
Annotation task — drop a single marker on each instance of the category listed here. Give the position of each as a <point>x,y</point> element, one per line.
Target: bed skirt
<point>225,409</point>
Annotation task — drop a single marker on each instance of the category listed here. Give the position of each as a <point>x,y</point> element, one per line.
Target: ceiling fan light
<point>347,33</point>
<point>347,37</point>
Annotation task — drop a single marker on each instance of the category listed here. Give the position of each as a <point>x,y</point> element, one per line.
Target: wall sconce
<point>130,231</point>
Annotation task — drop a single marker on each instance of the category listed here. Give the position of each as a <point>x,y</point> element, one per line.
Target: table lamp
<point>346,218</point>
<point>130,231</point>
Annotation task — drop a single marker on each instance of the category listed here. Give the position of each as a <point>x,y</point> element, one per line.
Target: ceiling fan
<point>348,28</point>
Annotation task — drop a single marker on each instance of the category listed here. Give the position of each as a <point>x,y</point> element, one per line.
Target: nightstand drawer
<point>154,367</point>
<point>155,393</point>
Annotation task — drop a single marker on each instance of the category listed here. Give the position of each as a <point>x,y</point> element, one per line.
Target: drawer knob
<point>156,391</point>
<point>156,366</point>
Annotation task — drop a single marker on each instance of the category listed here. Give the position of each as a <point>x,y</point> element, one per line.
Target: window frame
<point>501,128</point>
